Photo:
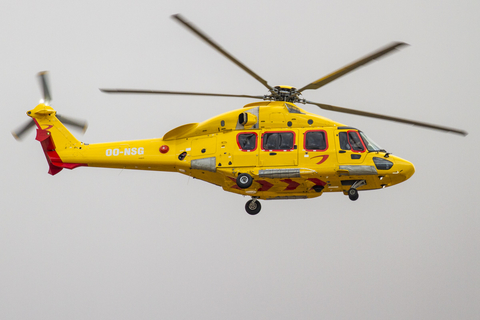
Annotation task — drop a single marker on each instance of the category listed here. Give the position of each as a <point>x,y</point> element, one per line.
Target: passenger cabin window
<point>247,141</point>
<point>278,141</point>
<point>315,141</point>
<point>351,141</point>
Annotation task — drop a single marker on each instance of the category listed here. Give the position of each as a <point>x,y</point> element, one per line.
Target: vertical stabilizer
<point>59,145</point>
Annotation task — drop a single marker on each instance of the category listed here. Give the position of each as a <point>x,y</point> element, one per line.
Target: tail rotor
<point>46,99</point>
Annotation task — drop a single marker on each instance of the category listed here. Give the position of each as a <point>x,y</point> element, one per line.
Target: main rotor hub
<point>284,93</point>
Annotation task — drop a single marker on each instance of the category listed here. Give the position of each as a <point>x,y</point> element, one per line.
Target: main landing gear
<point>253,206</point>
<point>352,192</point>
<point>244,180</point>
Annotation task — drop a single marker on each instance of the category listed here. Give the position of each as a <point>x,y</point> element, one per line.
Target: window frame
<point>348,141</point>
<point>340,140</point>
<point>256,141</point>
<point>315,150</point>
<point>359,138</point>
<point>284,150</point>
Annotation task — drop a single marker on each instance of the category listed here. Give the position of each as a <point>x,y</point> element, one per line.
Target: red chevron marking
<point>234,186</point>
<point>265,185</point>
<point>292,185</point>
<point>318,182</point>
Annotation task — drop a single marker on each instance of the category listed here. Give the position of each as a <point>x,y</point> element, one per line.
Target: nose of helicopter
<point>408,169</point>
<point>403,170</point>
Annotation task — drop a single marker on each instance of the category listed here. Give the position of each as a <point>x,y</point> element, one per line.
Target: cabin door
<point>278,148</point>
<point>350,147</point>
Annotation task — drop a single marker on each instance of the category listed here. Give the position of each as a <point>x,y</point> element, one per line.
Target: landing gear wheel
<point>253,207</point>
<point>244,180</point>
<point>353,194</point>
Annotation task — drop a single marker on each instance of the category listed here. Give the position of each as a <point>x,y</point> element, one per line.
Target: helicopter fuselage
<point>289,153</point>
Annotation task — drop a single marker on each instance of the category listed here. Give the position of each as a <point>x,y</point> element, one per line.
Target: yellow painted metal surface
<point>211,151</point>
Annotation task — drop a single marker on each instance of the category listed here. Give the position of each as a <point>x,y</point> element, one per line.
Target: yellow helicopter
<point>266,150</point>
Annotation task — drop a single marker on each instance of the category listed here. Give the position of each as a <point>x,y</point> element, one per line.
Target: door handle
<point>273,153</point>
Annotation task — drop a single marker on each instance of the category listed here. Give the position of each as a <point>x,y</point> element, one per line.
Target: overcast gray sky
<point>109,244</point>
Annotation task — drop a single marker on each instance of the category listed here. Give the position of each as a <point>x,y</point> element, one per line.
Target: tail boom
<point>63,151</point>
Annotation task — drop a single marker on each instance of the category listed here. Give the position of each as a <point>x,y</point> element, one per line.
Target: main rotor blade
<point>45,87</point>
<point>81,124</point>
<point>352,66</point>
<point>384,117</point>
<point>179,93</point>
<point>17,134</point>
<point>202,35</point>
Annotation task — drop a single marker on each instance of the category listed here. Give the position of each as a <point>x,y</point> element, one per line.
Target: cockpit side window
<point>351,141</point>
<point>355,141</point>
<point>344,145</point>
<point>315,140</point>
<point>247,141</point>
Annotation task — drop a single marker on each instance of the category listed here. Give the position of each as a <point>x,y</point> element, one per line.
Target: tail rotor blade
<point>47,97</point>
<point>81,124</point>
<point>17,134</point>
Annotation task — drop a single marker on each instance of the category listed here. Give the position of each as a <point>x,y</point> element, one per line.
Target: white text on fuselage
<point>125,152</point>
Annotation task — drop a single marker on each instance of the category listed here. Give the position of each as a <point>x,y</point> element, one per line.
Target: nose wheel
<point>352,192</point>
<point>253,207</point>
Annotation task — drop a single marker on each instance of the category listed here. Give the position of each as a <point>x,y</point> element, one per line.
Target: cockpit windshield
<point>371,146</point>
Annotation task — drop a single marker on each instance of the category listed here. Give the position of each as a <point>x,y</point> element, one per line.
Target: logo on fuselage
<point>324,157</point>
